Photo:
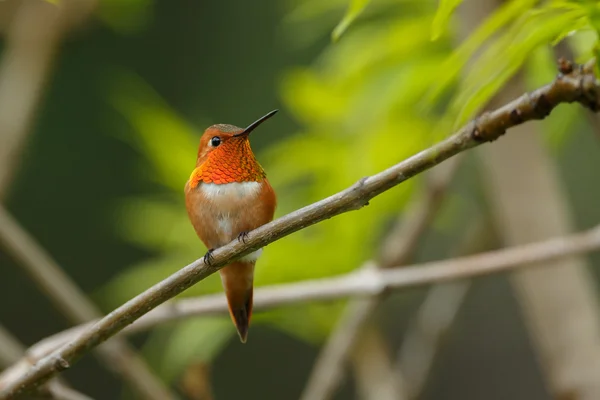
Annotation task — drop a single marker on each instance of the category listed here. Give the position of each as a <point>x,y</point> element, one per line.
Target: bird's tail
<point>238,279</point>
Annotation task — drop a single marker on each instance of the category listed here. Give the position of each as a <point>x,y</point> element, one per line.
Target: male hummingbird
<point>226,196</point>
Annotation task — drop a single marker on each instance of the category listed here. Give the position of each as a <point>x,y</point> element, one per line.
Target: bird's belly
<point>231,196</point>
<point>225,208</point>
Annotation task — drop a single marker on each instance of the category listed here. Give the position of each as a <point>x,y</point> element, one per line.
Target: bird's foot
<point>208,257</point>
<point>242,236</point>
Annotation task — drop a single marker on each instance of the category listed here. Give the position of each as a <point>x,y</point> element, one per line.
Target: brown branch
<point>435,317</point>
<point>117,355</point>
<point>573,85</point>
<point>397,249</point>
<point>365,282</point>
<point>559,306</point>
<point>34,33</point>
<point>11,350</point>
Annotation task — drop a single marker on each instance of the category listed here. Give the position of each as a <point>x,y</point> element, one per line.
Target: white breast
<point>232,191</point>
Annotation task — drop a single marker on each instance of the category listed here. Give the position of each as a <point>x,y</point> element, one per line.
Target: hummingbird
<point>226,196</point>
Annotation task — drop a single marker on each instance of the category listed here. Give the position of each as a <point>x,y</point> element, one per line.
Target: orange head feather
<point>225,156</point>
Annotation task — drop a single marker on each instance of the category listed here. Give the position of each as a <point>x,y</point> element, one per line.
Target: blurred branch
<point>559,305</point>
<point>58,391</point>
<point>32,39</point>
<point>397,248</point>
<point>44,271</point>
<point>572,85</point>
<point>195,383</point>
<point>365,282</point>
<point>117,355</point>
<point>424,336</point>
<point>11,350</point>
<point>373,367</point>
<point>435,316</point>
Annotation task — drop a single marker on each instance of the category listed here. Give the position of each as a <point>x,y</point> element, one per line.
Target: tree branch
<point>11,350</point>
<point>33,37</point>
<point>397,249</point>
<point>572,85</point>
<point>365,282</point>
<point>435,317</point>
<point>117,355</point>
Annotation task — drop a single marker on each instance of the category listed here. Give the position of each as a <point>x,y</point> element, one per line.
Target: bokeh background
<point>132,84</point>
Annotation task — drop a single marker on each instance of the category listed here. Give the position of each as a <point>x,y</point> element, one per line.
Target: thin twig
<point>58,391</point>
<point>397,249</point>
<point>11,350</point>
<point>117,355</point>
<point>435,316</point>
<point>424,337</point>
<point>375,376</point>
<point>573,85</point>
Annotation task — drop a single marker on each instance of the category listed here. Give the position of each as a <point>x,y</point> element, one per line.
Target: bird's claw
<point>208,257</point>
<point>242,236</point>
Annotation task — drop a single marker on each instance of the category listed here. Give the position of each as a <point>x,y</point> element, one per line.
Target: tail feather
<point>238,279</point>
<point>241,316</point>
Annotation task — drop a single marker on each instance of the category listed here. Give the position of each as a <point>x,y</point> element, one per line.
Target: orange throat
<point>231,162</point>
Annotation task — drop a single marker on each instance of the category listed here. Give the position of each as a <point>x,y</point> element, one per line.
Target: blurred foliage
<point>355,8</point>
<point>442,16</point>
<point>392,84</point>
<point>126,16</point>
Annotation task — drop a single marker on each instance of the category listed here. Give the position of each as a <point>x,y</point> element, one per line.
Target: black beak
<point>256,123</point>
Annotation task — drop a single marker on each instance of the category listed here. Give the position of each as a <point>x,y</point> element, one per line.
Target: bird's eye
<point>215,141</point>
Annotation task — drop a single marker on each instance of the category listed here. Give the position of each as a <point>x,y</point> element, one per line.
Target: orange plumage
<point>226,196</point>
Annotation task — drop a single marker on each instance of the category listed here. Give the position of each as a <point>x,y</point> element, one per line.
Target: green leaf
<point>355,8</point>
<point>451,69</point>
<point>442,16</point>
<point>504,57</point>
